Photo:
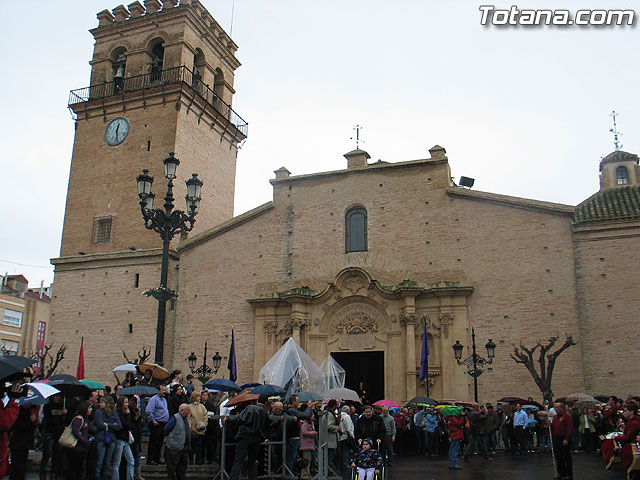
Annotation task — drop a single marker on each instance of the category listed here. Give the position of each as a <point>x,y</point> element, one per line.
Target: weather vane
<point>357,128</point>
<point>614,130</point>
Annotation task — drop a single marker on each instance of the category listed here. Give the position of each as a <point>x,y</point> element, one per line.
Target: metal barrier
<point>277,450</point>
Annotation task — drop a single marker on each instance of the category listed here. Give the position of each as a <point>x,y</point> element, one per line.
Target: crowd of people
<point>101,438</point>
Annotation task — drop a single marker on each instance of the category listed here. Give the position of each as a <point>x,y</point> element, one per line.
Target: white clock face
<point>116,131</point>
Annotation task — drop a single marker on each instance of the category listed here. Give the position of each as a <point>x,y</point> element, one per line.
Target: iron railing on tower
<point>170,76</point>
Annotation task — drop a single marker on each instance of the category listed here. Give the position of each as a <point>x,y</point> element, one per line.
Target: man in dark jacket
<point>53,426</point>
<point>253,424</point>
<point>491,428</point>
<point>370,426</point>
<point>477,422</point>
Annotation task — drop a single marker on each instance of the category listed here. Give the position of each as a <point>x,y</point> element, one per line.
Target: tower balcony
<point>161,81</point>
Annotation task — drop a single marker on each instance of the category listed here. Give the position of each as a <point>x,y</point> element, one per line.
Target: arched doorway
<point>364,373</point>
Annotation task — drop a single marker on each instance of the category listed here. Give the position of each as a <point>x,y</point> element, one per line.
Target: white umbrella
<point>43,390</point>
<point>126,368</point>
<point>341,394</point>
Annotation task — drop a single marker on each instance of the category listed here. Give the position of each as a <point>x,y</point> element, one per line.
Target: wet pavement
<point>534,466</point>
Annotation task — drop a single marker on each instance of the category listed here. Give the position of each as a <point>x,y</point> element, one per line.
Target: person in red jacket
<point>631,431</point>
<point>561,429</point>
<point>8,414</point>
<point>631,424</point>
<point>456,435</point>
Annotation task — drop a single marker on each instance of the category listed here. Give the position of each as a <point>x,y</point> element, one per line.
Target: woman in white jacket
<point>346,438</point>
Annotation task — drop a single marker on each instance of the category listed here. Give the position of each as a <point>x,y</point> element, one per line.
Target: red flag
<point>80,371</point>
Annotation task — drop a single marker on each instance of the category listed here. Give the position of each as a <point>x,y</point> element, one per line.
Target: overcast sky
<point>524,111</point>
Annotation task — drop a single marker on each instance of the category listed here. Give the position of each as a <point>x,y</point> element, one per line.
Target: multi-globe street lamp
<point>168,223</point>
<point>473,361</point>
<point>204,372</point>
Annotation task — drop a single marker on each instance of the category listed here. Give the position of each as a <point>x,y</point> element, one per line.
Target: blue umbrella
<point>269,390</point>
<point>222,384</point>
<point>249,385</point>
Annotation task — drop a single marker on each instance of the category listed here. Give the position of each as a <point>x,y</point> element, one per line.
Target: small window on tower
<point>102,228</point>
<point>622,175</point>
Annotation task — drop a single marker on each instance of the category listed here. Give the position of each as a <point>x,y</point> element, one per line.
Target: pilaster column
<point>410,355</point>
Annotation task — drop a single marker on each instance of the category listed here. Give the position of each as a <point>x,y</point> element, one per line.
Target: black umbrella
<point>602,398</point>
<point>422,401</point>
<point>142,390</point>
<point>12,364</point>
<point>268,390</point>
<point>69,385</point>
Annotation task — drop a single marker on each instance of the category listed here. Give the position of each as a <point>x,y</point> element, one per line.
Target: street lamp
<point>168,223</point>
<point>204,371</point>
<point>473,361</point>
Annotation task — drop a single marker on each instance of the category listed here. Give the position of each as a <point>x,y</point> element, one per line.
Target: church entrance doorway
<point>364,374</point>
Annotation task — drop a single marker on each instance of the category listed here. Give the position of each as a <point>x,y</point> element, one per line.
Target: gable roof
<point>617,203</point>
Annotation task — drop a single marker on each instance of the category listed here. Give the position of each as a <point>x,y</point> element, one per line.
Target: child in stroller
<point>367,462</point>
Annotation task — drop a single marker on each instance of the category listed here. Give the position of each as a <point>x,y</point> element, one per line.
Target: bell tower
<point>161,81</point>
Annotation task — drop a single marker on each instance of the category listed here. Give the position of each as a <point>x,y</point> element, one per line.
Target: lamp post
<point>474,361</point>
<point>168,223</point>
<point>204,371</point>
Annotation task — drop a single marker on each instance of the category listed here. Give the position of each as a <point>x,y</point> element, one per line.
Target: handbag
<point>107,436</point>
<point>131,438</point>
<point>68,439</point>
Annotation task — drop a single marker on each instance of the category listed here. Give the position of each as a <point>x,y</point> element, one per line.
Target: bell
<point>119,72</point>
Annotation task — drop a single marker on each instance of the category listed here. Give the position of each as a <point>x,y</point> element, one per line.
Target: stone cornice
<point>372,167</point>
<point>405,288</point>
<point>82,261</point>
<point>516,202</point>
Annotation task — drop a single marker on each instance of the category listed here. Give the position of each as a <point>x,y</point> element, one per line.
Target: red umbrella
<point>387,403</point>
<point>242,398</point>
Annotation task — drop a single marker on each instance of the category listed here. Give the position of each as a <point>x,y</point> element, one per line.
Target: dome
<point>611,204</point>
<point>619,156</point>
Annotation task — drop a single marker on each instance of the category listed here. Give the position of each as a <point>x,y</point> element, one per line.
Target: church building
<point>357,263</point>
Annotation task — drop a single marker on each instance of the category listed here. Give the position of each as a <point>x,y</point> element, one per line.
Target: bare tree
<point>545,361</point>
<point>143,356</point>
<point>48,362</point>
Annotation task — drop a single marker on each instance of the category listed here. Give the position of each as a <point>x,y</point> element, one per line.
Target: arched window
<point>118,67</point>
<point>157,59</point>
<point>622,175</point>
<point>356,230</point>
<point>198,69</point>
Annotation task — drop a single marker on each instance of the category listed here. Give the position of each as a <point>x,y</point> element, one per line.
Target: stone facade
<point>437,255</point>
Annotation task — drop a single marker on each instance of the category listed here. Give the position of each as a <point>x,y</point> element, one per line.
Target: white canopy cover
<point>334,374</point>
<point>291,368</point>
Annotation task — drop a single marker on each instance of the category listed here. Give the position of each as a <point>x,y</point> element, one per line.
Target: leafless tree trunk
<point>143,356</point>
<point>50,364</point>
<point>544,359</point>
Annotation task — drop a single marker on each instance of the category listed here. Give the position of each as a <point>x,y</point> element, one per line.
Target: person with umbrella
<point>8,416</point>
<point>253,424</point>
<point>21,440</point>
